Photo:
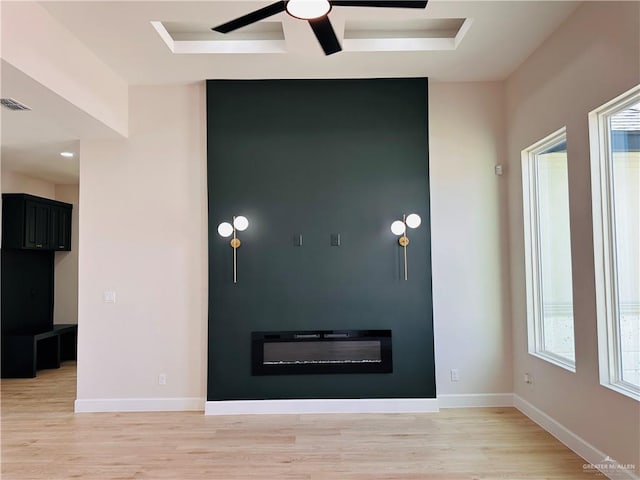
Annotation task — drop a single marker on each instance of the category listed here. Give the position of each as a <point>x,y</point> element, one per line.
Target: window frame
<point>533,259</point>
<point>604,241</point>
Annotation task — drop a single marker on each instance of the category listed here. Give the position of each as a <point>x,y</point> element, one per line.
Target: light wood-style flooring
<point>43,439</point>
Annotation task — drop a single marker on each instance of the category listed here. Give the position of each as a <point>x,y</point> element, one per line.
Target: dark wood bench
<point>23,353</point>
<point>68,333</point>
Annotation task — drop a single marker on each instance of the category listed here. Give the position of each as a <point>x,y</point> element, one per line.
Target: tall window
<point>548,250</point>
<point>615,175</point>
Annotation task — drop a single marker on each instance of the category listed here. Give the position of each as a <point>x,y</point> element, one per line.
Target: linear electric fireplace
<point>321,351</point>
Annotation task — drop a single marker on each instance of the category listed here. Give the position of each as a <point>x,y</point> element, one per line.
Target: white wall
<point>65,306</point>
<point>14,182</point>
<point>472,324</point>
<point>592,58</point>
<point>143,234</point>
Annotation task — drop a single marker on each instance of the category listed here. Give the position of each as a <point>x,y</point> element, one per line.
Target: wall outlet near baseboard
<point>162,379</point>
<point>455,375</point>
<point>528,378</point>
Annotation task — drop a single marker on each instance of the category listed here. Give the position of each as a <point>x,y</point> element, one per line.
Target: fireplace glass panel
<point>323,352</point>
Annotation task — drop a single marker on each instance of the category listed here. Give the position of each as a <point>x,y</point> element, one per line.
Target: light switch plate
<point>335,239</point>
<point>109,297</point>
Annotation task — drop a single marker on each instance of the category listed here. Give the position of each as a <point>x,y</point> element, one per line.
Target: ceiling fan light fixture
<point>308,9</point>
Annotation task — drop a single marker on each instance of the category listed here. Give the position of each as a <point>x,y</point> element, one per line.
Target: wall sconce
<point>226,229</point>
<point>399,227</point>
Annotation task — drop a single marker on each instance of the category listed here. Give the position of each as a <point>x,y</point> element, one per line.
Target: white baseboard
<point>299,406</point>
<point>594,458</point>
<point>95,405</point>
<point>475,400</point>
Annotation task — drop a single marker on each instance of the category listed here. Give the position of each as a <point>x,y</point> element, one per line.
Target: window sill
<point>555,360</point>
<point>623,389</point>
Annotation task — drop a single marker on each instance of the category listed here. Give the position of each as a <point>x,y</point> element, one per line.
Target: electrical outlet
<point>162,379</point>
<point>455,375</point>
<point>528,378</point>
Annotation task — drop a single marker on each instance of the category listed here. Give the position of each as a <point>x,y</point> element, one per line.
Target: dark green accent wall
<point>318,157</point>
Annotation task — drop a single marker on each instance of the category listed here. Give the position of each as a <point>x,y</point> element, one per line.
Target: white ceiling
<point>496,38</point>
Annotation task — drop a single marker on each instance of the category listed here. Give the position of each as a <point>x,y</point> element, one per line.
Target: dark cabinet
<point>35,223</point>
<point>60,228</point>
<point>33,228</point>
<point>38,224</point>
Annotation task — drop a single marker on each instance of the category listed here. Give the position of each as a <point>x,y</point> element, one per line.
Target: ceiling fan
<point>316,13</point>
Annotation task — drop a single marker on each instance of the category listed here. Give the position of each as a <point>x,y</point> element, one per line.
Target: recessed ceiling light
<point>66,154</point>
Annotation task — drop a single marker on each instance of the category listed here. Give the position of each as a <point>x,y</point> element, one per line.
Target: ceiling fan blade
<point>252,17</point>
<point>380,3</point>
<point>325,35</point>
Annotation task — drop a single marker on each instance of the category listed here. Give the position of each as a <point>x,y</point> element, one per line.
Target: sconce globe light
<point>225,229</point>
<point>398,227</point>
<point>240,223</point>
<point>413,220</point>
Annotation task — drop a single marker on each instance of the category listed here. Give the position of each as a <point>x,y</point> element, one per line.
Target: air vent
<point>12,104</point>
